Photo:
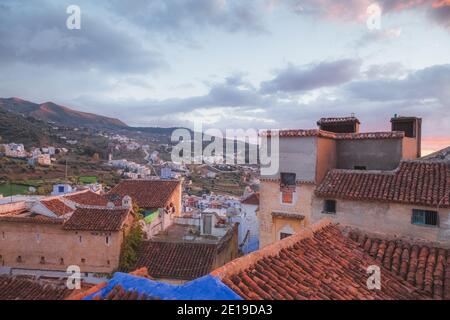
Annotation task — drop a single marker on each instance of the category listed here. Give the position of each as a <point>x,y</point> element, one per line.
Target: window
<point>42,260</point>
<point>287,196</point>
<point>284,235</point>
<point>19,259</point>
<point>38,237</point>
<point>61,261</point>
<point>61,189</point>
<point>287,179</point>
<point>80,239</point>
<point>107,240</point>
<point>329,206</point>
<point>425,217</point>
<point>83,260</point>
<point>360,167</point>
<point>3,235</point>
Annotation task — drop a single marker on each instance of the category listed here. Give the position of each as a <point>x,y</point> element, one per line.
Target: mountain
<point>26,130</point>
<point>52,112</point>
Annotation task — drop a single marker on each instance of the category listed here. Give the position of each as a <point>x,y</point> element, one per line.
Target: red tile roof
<point>317,263</point>
<point>339,120</point>
<point>172,260</point>
<point>90,219</point>
<point>15,288</point>
<point>336,136</point>
<point>146,193</point>
<point>424,266</point>
<point>32,218</point>
<point>414,182</point>
<point>57,206</point>
<point>88,198</point>
<point>251,199</point>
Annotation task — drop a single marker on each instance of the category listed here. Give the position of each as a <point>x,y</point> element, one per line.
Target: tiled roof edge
<point>270,250</point>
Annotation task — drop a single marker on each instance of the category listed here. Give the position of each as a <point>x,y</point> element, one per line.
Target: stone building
<point>306,156</point>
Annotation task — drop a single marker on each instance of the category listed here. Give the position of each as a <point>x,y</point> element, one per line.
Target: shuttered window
<point>425,217</point>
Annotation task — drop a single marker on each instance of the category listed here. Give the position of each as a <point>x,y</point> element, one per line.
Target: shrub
<point>130,247</point>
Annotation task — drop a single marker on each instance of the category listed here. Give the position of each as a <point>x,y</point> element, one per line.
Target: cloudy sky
<point>233,64</point>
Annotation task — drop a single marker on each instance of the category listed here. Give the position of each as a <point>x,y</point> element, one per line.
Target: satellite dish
<point>32,189</point>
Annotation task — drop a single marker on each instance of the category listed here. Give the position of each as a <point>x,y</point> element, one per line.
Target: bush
<point>130,247</point>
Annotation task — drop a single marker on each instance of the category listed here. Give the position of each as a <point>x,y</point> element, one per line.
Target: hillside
<point>27,130</point>
<point>52,112</point>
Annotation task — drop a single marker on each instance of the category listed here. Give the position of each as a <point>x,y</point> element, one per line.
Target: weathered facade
<point>306,156</point>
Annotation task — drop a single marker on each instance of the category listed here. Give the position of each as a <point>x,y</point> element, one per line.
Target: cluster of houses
<point>37,156</point>
<point>341,202</point>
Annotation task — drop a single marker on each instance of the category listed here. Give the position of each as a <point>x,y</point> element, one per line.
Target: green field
<point>7,189</point>
<point>88,179</point>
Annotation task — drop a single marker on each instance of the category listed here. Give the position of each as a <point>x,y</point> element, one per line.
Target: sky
<point>234,64</point>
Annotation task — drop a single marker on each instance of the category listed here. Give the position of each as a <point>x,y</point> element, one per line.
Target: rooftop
<point>317,263</point>
<point>339,120</point>
<point>413,182</point>
<point>19,288</point>
<point>332,135</point>
<point>422,265</point>
<point>90,219</point>
<point>173,260</point>
<point>253,199</point>
<point>87,198</point>
<point>146,193</point>
<point>57,206</point>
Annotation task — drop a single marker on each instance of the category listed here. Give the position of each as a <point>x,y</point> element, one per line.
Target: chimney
<point>340,125</point>
<point>412,127</point>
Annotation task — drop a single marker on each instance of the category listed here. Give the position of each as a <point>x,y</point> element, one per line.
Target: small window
<point>83,260</point>
<point>61,189</point>
<point>329,206</point>
<point>107,240</point>
<point>61,261</point>
<point>287,179</point>
<point>80,239</point>
<point>284,235</point>
<point>108,262</point>
<point>360,167</point>
<point>42,260</point>
<point>38,237</point>
<point>3,235</point>
<point>287,196</point>
<point>19,259</point>
<point>425,217</point>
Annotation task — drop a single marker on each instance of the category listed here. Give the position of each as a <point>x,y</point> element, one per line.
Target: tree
<point>130,247</point>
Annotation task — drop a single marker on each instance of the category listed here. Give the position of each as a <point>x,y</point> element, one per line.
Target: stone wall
<point>31,241</point>
<point>386,219</point>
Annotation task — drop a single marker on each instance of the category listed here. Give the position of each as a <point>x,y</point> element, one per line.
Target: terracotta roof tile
<point>318,263</point>
<point>414,182</point>
<point>336,136</point>
<point>90,219</point>
<point>16,288</point>
<point>88,198</point>
<point>251,199</point>
<point>57,206</point>
<point>339,120</point>
<point>146,193</point>
<point>171,260</point>
<point>424,266</point>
